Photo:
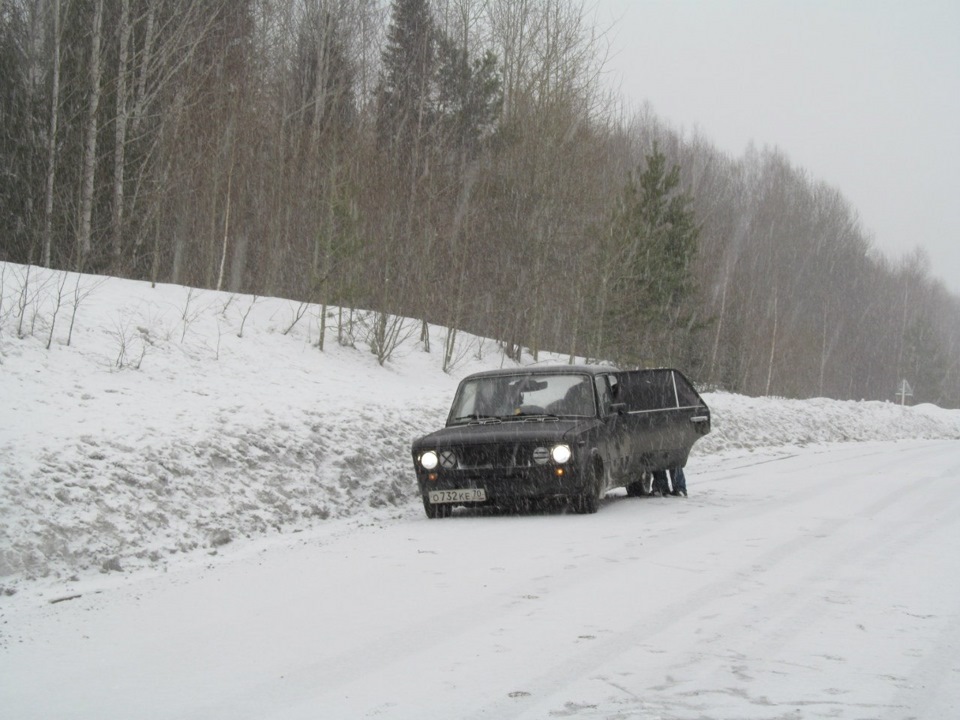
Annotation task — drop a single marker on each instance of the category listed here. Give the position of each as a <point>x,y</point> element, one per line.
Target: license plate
<point>457,496</point>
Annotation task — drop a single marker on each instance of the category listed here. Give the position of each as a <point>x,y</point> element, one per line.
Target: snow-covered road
<point>815,583</point>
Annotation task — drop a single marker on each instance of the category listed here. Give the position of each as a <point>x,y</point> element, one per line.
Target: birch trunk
<point>120,137</point>
<point>146,59</point>
<point>84,244</point>
<point>52,140</point>
<point>824,352</point>
<point>716,337</point>
<point>226,225</point>
<point>773,344</point>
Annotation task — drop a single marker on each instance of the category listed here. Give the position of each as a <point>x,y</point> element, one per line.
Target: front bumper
<point>505,484</point>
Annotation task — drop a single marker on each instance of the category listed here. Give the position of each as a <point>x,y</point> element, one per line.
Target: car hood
<point>510,431</point>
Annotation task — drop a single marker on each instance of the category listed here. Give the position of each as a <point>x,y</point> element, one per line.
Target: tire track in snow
<point>789,608</point>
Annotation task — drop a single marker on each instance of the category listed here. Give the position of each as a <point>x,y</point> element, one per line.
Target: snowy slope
<point>179,420</point>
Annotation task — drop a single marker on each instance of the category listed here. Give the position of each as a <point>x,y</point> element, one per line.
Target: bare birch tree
<point>84,242</point>
<point>47,240</point>
<point>120,125</point>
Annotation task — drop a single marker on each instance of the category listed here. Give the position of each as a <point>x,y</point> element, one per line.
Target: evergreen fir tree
<point>653,235</point>
<point>405,113</point>
<point>469,95</point>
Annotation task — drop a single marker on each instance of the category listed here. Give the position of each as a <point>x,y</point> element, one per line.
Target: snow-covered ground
<point>237,512</point>
<point>823,582</point>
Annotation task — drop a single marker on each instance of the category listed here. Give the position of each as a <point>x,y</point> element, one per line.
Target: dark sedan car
<point>570,432</point>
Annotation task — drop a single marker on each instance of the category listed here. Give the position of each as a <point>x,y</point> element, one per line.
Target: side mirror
<point>619,408</point>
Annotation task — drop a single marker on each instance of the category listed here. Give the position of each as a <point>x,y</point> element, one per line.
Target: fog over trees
<point>458,162</point>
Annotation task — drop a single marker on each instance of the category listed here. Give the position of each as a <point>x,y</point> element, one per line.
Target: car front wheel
<point>589,502</point>
<point>586,504</point>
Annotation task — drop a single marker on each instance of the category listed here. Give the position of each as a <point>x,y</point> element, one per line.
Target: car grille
<point>515,455</point>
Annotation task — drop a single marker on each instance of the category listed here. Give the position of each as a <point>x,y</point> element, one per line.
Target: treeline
<point>455,161</point>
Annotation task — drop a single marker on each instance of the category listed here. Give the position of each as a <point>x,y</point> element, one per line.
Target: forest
<point>462,163</point>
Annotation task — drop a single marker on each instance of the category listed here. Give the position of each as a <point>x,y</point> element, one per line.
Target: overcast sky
<point>862,94</point>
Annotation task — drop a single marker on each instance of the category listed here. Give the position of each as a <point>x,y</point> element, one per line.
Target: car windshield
<point>505,397</point>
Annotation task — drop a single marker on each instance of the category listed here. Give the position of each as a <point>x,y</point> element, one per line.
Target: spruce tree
<point>469,95</point>
<point>431,88</point>
<point>405,113</point>
<point>652,241</point>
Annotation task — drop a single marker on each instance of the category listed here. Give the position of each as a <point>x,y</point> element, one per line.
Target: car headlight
<point>561,453</point>
<point>429,460</point>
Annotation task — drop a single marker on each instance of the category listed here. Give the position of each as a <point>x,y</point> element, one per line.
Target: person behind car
<point>661,484</point>
<point>678,481</point>
<point>669,482</point>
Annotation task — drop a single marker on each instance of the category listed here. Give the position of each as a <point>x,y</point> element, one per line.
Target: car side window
<point>686,395</point>
<point>649,390</point>
<point>603,394</point>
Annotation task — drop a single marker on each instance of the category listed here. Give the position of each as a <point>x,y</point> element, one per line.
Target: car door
<point>663,417</point>
<point>695,415</point>
<point>614,441</point>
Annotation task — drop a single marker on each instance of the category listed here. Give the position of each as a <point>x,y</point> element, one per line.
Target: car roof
<point>546,370</point>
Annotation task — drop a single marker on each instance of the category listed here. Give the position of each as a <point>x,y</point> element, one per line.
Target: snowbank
<point>745,424</point>
<point>178,419</point>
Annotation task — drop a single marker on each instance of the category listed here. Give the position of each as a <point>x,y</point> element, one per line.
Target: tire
<point>589,502</point>
<point>586,504</point>
<point>436,511</point>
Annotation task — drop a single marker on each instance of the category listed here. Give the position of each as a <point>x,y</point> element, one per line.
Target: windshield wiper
<point>477,418</point>
<point>536,417</point>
